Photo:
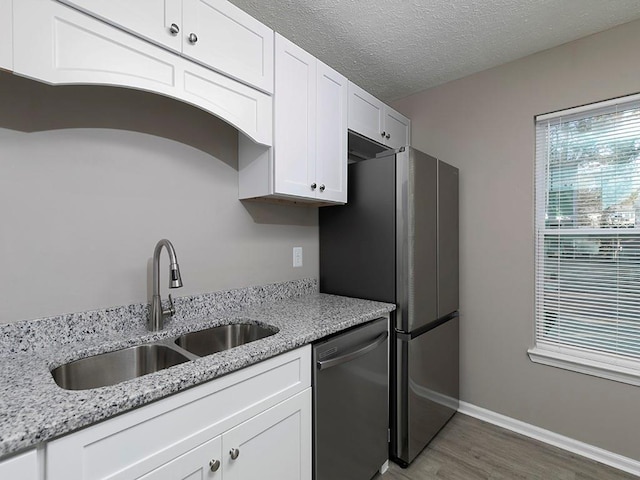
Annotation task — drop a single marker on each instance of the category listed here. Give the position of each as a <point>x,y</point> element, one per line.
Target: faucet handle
<point>171,310</point>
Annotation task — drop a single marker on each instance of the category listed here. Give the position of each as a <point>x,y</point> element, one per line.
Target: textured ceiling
<point>394,48</point>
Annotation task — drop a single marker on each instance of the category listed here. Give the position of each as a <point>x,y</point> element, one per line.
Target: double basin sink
<point>114,367</point>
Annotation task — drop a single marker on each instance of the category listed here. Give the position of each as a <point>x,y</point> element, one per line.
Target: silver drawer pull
<point>234,452</point>
<point>214,465</point>
<point>174,29</point>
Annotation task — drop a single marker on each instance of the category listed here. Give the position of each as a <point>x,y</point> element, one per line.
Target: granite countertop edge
<point>35,409</point>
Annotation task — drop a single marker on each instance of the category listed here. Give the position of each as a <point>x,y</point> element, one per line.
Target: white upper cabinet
<point>57,44</point>
<point>6,35</point>
<point>220,35</point>
<point>215,33</point>
<point>295,120</point>
<point>397,128</point>
<point>366,113</point>
<point>159,21</point>
<point>331,134</point>
<point>371,118</point>
<point>309,159</point>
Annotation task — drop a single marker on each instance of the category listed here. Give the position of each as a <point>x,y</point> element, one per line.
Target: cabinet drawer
<point>139,441</point>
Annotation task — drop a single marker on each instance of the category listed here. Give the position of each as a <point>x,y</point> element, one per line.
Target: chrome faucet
<point>156,317</point>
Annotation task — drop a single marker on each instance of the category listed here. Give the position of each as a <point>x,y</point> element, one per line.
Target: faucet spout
<point>157,313</point>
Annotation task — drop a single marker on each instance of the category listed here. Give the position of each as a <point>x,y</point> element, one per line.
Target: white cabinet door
<point>331,135</point>
<point>151,19</point>
<point>228,40</point>
<point>6,35</point>
<point>20,467</point>
<point>294,120</point>
<point>274,445</point>
<point>397,128</point>
<point>371,118</point>
<point>203,462</point>
<point>366,114</point>
<point>59,45</point>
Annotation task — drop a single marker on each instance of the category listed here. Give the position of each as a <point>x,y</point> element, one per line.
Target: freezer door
<point>416,240</point>
<point>427,391</point>
<point>447,239</point>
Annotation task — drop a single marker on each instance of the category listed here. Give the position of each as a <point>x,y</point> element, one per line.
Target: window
<point>588,240</point>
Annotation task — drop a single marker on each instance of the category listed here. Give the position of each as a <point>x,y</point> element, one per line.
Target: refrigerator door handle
<point>347,357</point>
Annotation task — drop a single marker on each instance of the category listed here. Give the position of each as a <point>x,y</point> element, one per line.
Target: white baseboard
<point>606,457</point>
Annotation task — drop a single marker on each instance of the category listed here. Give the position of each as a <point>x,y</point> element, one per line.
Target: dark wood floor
<point>469,449</point>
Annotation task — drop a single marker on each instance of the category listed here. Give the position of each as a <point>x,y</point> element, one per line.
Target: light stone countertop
<point>33,409</point>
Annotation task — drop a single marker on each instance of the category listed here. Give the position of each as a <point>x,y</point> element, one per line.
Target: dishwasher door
<point>350,403</point>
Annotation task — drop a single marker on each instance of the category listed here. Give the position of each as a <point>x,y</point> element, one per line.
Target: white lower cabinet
<point>261,414</point>
<point>215,33</point>
<point>275,444</point>
<point>200,463</point>
<point>23,466</point>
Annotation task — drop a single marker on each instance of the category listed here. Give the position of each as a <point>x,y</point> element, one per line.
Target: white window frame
<point>605,365</point>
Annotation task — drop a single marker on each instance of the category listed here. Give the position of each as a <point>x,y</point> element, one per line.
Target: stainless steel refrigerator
<point>396,240</point>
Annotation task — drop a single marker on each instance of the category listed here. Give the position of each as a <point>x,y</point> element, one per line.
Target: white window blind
<point>588,233</point>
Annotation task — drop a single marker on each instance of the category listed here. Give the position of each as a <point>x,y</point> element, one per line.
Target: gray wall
<point>92,177</point>
<point>484,124</point>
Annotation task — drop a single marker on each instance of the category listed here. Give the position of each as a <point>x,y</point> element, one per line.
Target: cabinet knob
<point>383,134</point>
<point>322,187</point>
<point>174,29</point>
<point>234,452</point>
<point>387,136</point>
<point>193,38</point>
<point>214,465</point>
<point>313,186</point>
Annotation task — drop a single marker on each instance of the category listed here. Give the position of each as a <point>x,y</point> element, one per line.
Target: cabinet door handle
<point>214,465</point>
<point>174,29</point>
<point>383,134</point>
<point>234,452</point>
<point>322,187</point>
<point>352,355</point>
<point>193,38</point>
<point>387,136</point>
<point>313,186</point>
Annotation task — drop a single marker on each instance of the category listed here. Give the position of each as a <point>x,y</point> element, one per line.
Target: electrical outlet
<point>297,256</point>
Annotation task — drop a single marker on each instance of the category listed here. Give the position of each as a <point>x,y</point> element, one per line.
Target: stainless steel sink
<point>115,367</point>
<point>217,339</point>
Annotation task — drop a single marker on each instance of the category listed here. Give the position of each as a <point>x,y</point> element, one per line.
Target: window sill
<point>588,364</point>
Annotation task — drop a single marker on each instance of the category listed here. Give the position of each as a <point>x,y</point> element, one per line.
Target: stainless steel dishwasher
<point>350,403</point>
